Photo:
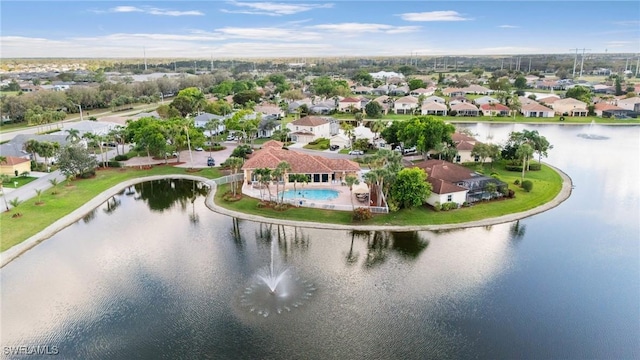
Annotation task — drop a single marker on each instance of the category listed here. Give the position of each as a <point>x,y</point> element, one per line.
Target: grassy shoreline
<point>547,185</point>
<point>61,200</point>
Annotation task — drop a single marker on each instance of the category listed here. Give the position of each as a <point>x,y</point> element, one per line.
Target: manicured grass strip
<point>546,185</point>
<point>68,198</point>
<point>21,180</point>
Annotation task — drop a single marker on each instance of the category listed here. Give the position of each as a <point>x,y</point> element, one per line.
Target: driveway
<point>198,159</point>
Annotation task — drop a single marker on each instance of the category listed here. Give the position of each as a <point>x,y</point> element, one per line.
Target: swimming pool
<point>311,194</point>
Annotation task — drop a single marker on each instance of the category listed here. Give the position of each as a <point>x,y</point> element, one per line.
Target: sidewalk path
<point>28,191</point>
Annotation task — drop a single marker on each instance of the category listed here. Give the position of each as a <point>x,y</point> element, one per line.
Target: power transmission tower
<point>582,60</point>
<point>575,62</point>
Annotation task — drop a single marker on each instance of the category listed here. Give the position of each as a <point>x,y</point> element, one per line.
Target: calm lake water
<point>154,274</point>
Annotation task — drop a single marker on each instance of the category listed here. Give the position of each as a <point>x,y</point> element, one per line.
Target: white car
<point>231,138</point>
<point>356,152</point>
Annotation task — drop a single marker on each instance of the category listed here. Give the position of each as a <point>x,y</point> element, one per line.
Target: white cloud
<point>434,16</point>
<point>351,28</point>
<point>154,11</point>
<point>508,26</point>
<point>618,43</point>
<point>268,33</point>
<point>273,9</point>
<point>126,9</point>
<point>627,23</point>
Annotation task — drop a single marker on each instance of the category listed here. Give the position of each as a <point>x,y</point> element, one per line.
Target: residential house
<point>464,145</point>
<point>433,108</point>
<point>422,91</point>
<point>535,109</point>
<point>601,106</point>
<point>548,101</point>
<point>570,107</point>
<point>456,183</point>
<point>349,104</point>
<point>383,75</point>
<point>434,98</point>
<point>486,100</point>
<point>477,90</point>
<point>381,90</point>
<point>268,124</point>
<point>629,104</point>
<point>399,91</point>
<point>294,105</point>
<point>464,109</point>
<point>458,99</point>
<point>405,105</point>
<point>309,128</point>
<point>201,121</point>
<point>270,110</point>
<point>15,165</point>
<point>385,101</point>
<point>323,107</point>
<point>453,92</point>
<point>361,90</point>
<point>495,109</point>
<point>340,140</point>
<point>318,169</point>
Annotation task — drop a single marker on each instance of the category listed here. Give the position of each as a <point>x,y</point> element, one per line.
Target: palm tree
<point>212,126</point>
<point>524,152</point>
<point>31,146</point>
<point>295,178</point>
<point>73,135</point>
<point>264,178</point>
<point>278,173</point>
<point>39,195</point>
<point>377,127</point>
<point>348,132</point>
<point>351,180</point>
<point>234,163</point>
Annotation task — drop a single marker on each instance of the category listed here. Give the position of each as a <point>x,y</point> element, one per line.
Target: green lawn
<point>20,180</point>
<point>546,185</point>
<point>68,198</point>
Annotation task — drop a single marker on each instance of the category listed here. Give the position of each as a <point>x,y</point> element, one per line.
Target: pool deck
<point>342,202</point>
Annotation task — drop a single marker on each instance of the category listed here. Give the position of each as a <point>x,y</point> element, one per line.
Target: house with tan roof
<point>385,102</point>
<point>349,104</point>
<point>486,100</point>
<point>422,91</point>
<point>629,103</point>
<point>534,109</point>
<point>464,145</point>
<point>15,166</point>
<point>317,169</point>
<point>456,183</point>
<point>477,90</point>
<point>452,92</point>
<point>570,107</point>
<point>433,108</point>
<point>309,128</point>
<point>465,109</point>
<point>434,98</point>
<point>602,106</point>
<point>405,105</point>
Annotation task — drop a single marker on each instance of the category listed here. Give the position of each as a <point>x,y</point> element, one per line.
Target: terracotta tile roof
<point>456,137</point>
<point>605,106</point>
<point>310,121</point>
<point>273,143</point>
<point>13,160</point>
<point>350,100</point>
<point>444,175</point>
<point>300,163</point>
<point>497,107</point>
<point>549,100</point>
<point>407,100</point>
<point>464,146</point>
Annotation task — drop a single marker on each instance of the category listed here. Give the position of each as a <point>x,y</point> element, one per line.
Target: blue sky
<point>299,29</point>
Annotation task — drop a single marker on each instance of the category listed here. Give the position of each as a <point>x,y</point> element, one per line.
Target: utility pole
<point>502,65</point>
<point>195,67</point>
<point>637,65</point>
<point>582,61</point>
<point>211,62</point>
<point>575,62</point>
<point>144,52</point>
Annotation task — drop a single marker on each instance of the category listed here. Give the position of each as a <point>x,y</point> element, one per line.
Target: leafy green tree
<point>581,93</point>
<point>32,146</point>
<point>477,72</point>
<point>224,88</point>
<point>524,152</point>
<point>48,150</point>
<point>481,150</point>
<point>219,107</point>
<point>373,109</point>
<point>425,133</point>
<point>415,84</point>
<point>384,165</point>
<point>520,82</point>
<point>190,100</point>
<point>411,187</point>
<point>618,85</point>
<point>242,98</point>
<point>74,160</point>
<point>391,133</point>
<point>234,163</point>
<point>363,77</point>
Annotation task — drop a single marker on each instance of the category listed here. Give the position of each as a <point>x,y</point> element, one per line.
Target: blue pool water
<point>311,194</point>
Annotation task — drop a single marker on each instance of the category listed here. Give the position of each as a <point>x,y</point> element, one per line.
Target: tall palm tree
<point>212,127</point>
<point>279,173</point>
<point>234,163</point>
<point>351,180</point>
<point>31,146</point>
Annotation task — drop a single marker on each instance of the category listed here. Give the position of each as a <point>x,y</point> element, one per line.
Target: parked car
<point>231,138</point>
<point>199,149</point>
<point>356,152</point>
<point>334,147</point>
<point>410,150</point>
<point>210,161</point>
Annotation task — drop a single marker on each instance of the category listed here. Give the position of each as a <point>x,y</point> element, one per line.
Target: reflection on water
<point>131,281</point>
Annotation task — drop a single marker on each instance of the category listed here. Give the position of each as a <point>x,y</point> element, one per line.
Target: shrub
<point>450,205</point>
<point>516,182</point>
<point>261,205</point>
<point>437,206</point>
<point>87,175</point>
<point>535,167</point>
<point>217,147</point>
<point>24,174</point>
<point>362,214</point>
<point>281,207</point>
<point>513,168</point>
<point>114,164</point>
<point>121,158</point>
<point>393,205</point>
<point>527,185</point>
<point>511,194</point>
<point>466,204</point>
